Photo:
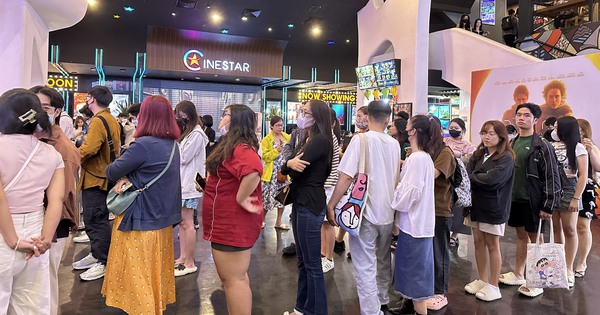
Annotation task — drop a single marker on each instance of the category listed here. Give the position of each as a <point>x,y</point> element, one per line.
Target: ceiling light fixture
<point>291,25</point>
<point>347,40</point>
<point>92,2</point>
<point>128,9</point>
<point>331,42</point>
<point>216,17</point>
<point>316,31</point>
<point>237,79</point>
<point>225,31</point>
<point>173,14</point>
<point>270,29</point>
<point>208,6</point>
<point>116,16</point>
<point>244,18</point>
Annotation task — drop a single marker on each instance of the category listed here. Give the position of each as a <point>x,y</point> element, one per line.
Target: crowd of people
<point>186,181</point>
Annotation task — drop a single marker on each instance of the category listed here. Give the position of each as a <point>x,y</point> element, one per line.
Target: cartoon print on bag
<point>350,213</point>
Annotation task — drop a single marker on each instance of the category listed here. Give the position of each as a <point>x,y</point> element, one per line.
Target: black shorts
<point>227,248</point>
<point>521,215</point>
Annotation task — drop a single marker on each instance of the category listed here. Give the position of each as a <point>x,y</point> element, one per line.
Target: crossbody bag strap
<point>163,171</point>
<point>20,173</point>
<point>364,156</point>
<point>113,155</point>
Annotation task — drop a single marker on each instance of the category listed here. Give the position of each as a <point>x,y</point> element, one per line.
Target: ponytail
<point>429,133</point>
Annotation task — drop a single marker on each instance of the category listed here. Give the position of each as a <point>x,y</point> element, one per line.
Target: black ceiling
<point>121,38</point>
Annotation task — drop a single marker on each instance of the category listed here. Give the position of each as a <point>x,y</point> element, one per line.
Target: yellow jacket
<point>270,154</point>
<point>95,151</point>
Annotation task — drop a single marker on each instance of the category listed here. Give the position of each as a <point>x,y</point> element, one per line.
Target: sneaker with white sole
<point>86,262</point>
<point>95,272</point>
<point>81,238</point>
<point>326,264</point>
<point>182,270</point>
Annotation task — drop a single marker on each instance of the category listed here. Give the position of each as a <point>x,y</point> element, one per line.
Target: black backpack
<point>507,23</point>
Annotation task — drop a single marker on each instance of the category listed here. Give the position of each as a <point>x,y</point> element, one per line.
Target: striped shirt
<point>333,177</point>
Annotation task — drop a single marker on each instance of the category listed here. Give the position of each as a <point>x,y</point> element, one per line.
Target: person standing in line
<point>97,152</point>
<point>272,145</point>
<point>29,171</point>
<point>309,170</point>
<point>465,22</point>
<point>536,190</point>
<point>587,214</point>
<point>327,230</point>
<point>463,149</point>
<point>232,210</point>
<point>574,160</point>
<point>207,121</point>
<point>510,28</point>
<point>139,273</point>
<point>52,100</point>
<point>192,152</point>
<point>414,199</point>
<point>491,172</point>
<point>371,254</point>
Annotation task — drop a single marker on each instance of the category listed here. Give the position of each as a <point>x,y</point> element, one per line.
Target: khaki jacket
<point>95,151</point>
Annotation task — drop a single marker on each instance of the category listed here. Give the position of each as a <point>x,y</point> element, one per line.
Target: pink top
<point>460,147</point>
<point>27,194</point>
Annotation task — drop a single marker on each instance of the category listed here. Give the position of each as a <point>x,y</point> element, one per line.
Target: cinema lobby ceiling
<point>320,34</point>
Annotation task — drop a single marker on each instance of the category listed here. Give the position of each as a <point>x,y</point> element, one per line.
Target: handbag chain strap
<point>163,171</point>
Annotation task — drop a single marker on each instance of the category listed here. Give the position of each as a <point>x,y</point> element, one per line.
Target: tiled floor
<point>273,282</point>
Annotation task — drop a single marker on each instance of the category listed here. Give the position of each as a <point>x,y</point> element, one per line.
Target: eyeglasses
<point>305,112</point>
<point>489,134</point>
<point>225,114</point>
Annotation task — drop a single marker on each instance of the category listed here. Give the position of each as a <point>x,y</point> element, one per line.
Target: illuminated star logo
<point>191,59</point>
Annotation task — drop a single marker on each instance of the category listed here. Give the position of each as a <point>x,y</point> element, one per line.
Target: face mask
<point>554,135</point>
<point>304,122</point>
<point>135,122</point>
<point>223,130</point>
<point>180,123</point>
<point>51,118</point>
<point>455,133</point>
<point>362,124</point>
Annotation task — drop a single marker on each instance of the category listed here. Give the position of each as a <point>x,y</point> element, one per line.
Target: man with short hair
<point>100,148</point>
<point>509,26</point>
<point>52,102</point>
<point>536,190</point>
<point>371,253</point>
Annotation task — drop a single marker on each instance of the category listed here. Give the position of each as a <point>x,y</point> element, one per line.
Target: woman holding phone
<point>232,211</point>
<point>192,150</point>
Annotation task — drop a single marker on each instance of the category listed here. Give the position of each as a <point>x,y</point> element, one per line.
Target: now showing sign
<point>62,83</point>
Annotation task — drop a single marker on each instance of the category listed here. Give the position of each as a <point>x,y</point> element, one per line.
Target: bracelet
<point>576,198</point>
<point>17,245</point>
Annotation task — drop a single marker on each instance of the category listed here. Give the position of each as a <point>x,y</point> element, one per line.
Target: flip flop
<point>282,227</point>
<point>509,278</point>
<point>530,292</point>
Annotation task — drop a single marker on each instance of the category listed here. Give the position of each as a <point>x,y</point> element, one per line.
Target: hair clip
<point>28,117</point>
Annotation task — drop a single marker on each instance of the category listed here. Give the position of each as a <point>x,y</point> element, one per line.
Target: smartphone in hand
<point>200,181</point>
<point>126,186</point>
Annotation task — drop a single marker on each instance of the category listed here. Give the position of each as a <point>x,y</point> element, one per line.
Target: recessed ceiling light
<point>182,79</point>
<point>347,40</point>
<point>216,75</point>
<point>225,31</point>
<point>208,6</point>
<point>316,30</point>
<point>331,42</point>
<point>128,9</point>
<point>122,70</point>
<point>291,25</point>
<point>270,29</point>
<point>92,2</point>
<point>244,18</point>
<point>237,79</point>
<point>216,17</point>
<point>116,16</point>
<point>74,72</point>
<point>197,78</point>
<point>173,13</point>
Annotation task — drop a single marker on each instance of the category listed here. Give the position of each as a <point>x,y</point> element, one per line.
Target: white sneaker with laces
<point>86,262</point>
<point>95,272</point>
<point>81,238</point>
<point>326,264</point>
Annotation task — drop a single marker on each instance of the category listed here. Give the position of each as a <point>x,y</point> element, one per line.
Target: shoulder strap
<point>113,155</point>
<point>163,171</point>
<point>20,173</point>
<point>364,155</point>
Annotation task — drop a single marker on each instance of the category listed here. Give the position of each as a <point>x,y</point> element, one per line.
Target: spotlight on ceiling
<point>216,17</point>
<point>270,29</point>
<point>316,30</point>
<point>128,9</point>
<point>291,25</point>
<point>173,14</point>
<point>92,2</point>
<point>244,18</point>
<point>116,16</point>
<point>225,31</point>
<point>186,4</point>
<point>331,42</point>
<point>347,40</point>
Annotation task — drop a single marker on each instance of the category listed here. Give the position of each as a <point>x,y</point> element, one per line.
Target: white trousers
<point>24,284</point>
<point>372,261</point>
<point>56,253</point>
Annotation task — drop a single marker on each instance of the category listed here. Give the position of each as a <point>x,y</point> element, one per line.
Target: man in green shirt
<point>536,190</point>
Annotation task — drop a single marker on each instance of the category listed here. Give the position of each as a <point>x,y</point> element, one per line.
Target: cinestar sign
<point>194,60</point>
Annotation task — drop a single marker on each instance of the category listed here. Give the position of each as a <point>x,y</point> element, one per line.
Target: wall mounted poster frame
<point>487,12</point>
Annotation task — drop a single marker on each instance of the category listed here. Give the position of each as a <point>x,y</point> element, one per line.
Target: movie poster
<point>561,87</point>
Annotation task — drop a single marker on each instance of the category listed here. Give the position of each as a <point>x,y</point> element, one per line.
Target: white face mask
<point>223,130</point>
<point>554,135</point>
<point>51,118</point>
<point>304,122</point>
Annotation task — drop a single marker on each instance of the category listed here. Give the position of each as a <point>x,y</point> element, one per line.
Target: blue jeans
<point>310,298</point>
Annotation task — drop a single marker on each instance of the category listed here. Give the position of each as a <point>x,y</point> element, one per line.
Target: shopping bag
<point>348,212</point>
<point>546,263</point>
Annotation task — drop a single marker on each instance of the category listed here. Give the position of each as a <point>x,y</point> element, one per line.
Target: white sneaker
<point>95,272</point>
<point>86,262</point>
<point>82,238</point>
<point>326,264</point>
<point>182,270</point>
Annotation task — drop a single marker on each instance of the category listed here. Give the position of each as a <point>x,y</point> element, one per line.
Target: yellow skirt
<point>139,275</point>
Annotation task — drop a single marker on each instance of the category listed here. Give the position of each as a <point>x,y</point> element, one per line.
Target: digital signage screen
<point>387,73</point>
<point>339,110</point>
<point>366,77</point>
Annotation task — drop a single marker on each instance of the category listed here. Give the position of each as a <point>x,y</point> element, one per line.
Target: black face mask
<point>455,133</point>
<point>180,123</point>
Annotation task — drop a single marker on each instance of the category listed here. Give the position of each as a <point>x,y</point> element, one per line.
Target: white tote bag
<point>546,263</point>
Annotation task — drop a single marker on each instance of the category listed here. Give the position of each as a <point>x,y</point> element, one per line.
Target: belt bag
<point>118,203</point>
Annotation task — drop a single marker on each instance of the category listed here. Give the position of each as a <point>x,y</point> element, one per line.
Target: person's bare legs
<point>585,242</point>
<point>340,235</point>
<point>558,230</point>
<point>232,268</point>
<point>420,306</point>
<point>481,255</point>
<point>523,238</point>
<point>492,242</point>
<point>327,240</point>
<point>568,221</point>
<point>279,215</point>
<point>187,238</point>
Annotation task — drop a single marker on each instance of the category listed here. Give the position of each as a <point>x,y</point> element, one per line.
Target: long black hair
<point>568,132</point>
<point>465,24</point>
<point>22,113</point>
<point>400,125</point>
<point>429,133</point>
<point>241,131</point>
<point>322,125</point>
<point>187,124</point>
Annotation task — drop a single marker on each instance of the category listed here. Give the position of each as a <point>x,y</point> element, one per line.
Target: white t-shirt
<point>382,169</point>
<point>414,197</point>
<point>562,158</point>
<point>66,124</point>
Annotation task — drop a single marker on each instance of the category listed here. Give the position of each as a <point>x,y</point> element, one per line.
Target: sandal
<point>282,227</point>
<point>489,293</point>
<point>579,274</point>
<point>530,292</point>
<point>437,302</point>
<point>453,242</point>
<point>509,278</point>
